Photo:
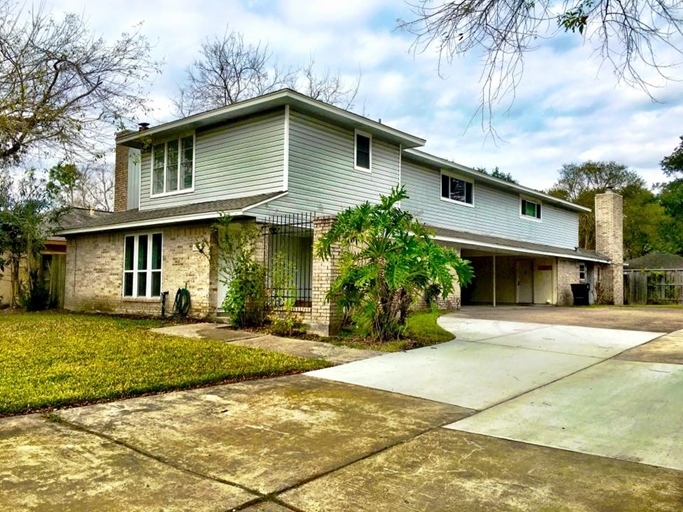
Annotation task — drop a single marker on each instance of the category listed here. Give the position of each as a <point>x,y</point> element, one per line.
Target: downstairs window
<point>142,265</point>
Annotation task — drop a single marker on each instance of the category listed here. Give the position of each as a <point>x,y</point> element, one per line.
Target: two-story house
<point>291,163</point>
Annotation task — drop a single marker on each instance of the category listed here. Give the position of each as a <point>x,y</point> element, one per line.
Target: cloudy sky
<point>567,108</point>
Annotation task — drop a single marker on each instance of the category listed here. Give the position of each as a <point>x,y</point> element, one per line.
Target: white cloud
<point>567,107</point>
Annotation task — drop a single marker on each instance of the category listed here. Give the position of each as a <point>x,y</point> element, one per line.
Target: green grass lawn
<point>52,360</point>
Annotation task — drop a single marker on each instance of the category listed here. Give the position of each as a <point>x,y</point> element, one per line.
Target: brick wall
<point>121,179</point>
<point>325,318</point>
<point>454,300</point>
<point>94,273</point>
<point>567,273</point>
<point>609,241</point>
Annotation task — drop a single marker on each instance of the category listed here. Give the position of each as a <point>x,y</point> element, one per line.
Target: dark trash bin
<point>580,292</point>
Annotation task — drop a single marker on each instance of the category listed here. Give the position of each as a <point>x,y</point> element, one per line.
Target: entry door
<point>525,281</point>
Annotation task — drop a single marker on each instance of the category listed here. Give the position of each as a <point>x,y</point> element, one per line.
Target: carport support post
<point>494,280</point>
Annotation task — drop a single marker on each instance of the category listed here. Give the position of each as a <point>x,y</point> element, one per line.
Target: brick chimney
<point>121,178</point>
<point>609,241</point>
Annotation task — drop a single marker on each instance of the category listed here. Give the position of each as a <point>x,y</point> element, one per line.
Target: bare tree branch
<point>328,87</point>
<point>60,84</point>
<point>628,34</point>
<point>229,70</point>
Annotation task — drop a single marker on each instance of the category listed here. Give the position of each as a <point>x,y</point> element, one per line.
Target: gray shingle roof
<point>118,220</point>
<point>656,260</point>
<point>492,242</point>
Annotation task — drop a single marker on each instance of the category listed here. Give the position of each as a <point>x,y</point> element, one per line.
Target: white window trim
<point>148,271</point>
<point>151,166</point>
<point>528,217</point>
<point>583,279</point>
<point>457,177</point>
<point>355,150</point>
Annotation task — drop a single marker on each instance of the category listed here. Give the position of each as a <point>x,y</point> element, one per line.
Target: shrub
<point>388,259</point>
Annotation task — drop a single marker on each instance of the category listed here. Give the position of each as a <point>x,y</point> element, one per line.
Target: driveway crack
<point>55,418</point>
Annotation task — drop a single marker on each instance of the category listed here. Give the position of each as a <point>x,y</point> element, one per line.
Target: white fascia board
<point>151,222</point>
<point>485,245</point>
<point>269,101</point>
<point>261,203</point>
<point>447,164</point>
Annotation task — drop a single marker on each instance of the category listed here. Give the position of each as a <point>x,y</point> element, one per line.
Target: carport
<point>513,272</point>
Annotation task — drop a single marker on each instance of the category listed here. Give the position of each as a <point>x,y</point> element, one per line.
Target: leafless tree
<point>627,34</point>
<point>60,84</point>
<point>329,87</point>
<point>229,70</point>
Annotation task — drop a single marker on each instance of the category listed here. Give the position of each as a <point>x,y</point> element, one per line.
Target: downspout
<point>400,168</point>
<point>285,165</point>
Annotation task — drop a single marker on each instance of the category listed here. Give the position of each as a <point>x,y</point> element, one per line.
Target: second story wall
<point>322,174</point>
<point>494,212</point>
<point>244,158</point>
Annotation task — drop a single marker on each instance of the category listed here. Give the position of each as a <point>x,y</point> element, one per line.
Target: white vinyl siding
<point>496,212</point>
<point>242,159</point>
<point>322,174</point>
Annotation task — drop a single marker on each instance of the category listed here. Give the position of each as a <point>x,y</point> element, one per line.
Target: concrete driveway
<point>508,417</point>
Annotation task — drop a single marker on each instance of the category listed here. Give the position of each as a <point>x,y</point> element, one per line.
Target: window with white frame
<point>363,148</point>
<point>173,166</point>
<point>530,209</point>
<point>456,189</point>
<point>582,273</point>
<point>142,265</point>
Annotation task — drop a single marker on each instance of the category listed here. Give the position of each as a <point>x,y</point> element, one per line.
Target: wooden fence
<point>649,286</point>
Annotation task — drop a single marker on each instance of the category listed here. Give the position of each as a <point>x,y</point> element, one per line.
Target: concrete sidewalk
<point>295,347</point>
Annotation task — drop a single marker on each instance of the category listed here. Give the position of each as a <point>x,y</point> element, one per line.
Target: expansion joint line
<point>55,418</point>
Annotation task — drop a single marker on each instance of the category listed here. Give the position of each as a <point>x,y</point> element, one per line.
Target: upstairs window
<point>173,166</point>
<point>142,266</point>
<point>531,209</point>
<point>363,151</point>
<point>456,189</point>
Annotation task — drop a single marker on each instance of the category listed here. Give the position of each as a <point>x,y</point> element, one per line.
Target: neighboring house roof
<point>426,158</point>
<point>268,102</point>
<point>80,216</point>
<point>656,261</point>
<point>186,213</point>
<point>507,245</point>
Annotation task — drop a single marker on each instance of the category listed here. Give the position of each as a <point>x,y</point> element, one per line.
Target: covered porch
<point>510,279</point>
<point>515,272</point>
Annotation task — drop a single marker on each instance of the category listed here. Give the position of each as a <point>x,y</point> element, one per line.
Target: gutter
<point>464,241</point>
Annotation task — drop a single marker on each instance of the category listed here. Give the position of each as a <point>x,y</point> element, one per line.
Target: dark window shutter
<point>468,193</point>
